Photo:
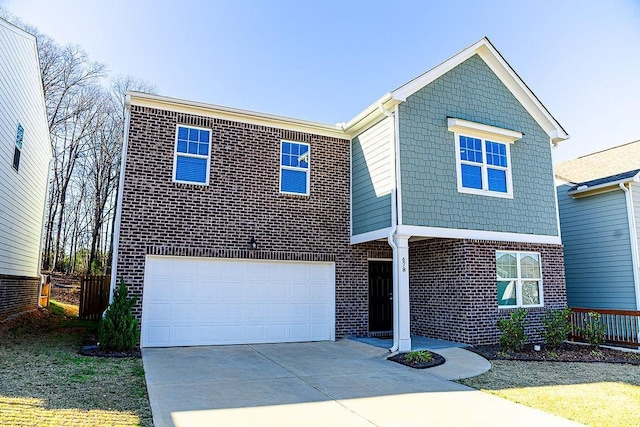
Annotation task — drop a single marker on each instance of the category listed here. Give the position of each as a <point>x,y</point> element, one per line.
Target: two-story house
<point>25,152</point>
<point>431,212</point>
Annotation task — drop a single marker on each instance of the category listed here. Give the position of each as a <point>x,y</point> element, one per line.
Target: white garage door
<point>207,301</point>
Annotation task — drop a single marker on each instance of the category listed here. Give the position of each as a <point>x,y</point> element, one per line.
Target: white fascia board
<point>456,233</point>
<point>371,236</point>
<point>584,191</point>
<point>505,73</point>
<point>234,114</point>
<point>490,132</point>
<point>371,115</point>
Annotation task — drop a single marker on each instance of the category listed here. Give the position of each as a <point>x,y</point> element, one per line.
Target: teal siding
<point>372,167</point>
<point>430,194</point>
<point>597,250</point>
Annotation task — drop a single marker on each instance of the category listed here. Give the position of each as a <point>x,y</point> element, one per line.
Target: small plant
<point>597,353</point>
<point>556,327</point>
<point>593,331</point>
<point>513,330</point>
<point>118,329</point>
<point>552,355</point>
<point>418,356</point>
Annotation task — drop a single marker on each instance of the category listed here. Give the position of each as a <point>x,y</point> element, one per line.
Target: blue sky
<point>327,60</point>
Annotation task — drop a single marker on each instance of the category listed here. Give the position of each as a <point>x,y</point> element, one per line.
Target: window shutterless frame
<point>192,153</point>
<point>485,150</point>
<point>519,279</point>
<point>295,168</point>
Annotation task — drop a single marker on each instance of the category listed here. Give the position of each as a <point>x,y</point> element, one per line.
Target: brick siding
<point>18,295</point>
<point>161,217</point>
<point>453,291</point>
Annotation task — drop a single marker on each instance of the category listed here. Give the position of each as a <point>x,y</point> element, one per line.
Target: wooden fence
<point>620,326</point>
<point>94,296</point>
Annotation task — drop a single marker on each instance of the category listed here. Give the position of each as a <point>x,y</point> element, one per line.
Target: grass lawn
<point>46,383</point>
<point>595,394</point>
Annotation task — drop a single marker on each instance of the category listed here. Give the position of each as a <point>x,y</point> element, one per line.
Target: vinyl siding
<point>372,177</point>
<point>23,193</point>
<point>635,197</point>
<point>597,250</point>
<point>430,197</point>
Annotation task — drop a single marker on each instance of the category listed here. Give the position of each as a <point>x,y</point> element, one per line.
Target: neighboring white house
<point>25,152</point>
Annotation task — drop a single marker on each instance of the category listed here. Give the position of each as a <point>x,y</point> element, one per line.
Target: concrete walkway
<point>343,383</point>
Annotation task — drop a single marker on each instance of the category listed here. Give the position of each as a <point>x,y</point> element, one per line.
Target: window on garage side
<point>192,155</point>
<point>519,279</point>
<point>294,167</point>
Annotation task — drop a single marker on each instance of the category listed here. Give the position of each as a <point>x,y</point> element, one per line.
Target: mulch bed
<point>401,358</point>
<point>91,348</point>
<point>568,352</point>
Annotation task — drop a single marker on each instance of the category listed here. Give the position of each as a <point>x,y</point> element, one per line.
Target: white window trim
<point>519,281</point>
<point>197,156</point>
<point>485,133</point>
<point>293,168</point>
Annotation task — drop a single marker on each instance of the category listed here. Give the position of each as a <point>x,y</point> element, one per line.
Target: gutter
<point>392,233</point>
<point>584,189</point>
<point>633,238</point>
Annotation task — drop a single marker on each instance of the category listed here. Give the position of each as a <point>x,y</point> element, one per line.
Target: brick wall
<point>453,288</point>
<point>18,295</point>
<point>164,218</point>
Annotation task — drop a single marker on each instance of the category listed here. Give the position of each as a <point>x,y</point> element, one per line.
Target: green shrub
<point>556,327</point>
<point>118,329</point>
<point>418,356</point>
<point>593,331</point>
<point>513,336</point>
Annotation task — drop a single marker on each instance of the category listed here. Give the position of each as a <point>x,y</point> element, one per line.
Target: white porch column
<point>401,267</point>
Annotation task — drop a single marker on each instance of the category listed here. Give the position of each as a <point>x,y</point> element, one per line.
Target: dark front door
<point>380,296</point>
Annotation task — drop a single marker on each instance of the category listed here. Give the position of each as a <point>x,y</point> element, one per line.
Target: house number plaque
<point>404,265</point>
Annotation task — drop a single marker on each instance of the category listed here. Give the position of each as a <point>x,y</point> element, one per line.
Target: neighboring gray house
<point>431,212</point>
<point>25,151</point>
<point>599,203</point>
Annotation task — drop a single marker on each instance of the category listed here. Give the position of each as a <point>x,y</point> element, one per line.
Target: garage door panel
<point>196,301</point>
<point>159,312</point>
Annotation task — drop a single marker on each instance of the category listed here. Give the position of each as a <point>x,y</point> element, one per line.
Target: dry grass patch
<point>45,381</point>
<point>595,394</point>
<point>62,308</point>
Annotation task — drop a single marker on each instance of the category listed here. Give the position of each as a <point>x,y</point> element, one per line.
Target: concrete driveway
<point>343,383</point>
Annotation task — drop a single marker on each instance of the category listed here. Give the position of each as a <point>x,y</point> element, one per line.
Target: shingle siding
<point>597,247</point>
<point>430,197</point>
<point>453,292</point>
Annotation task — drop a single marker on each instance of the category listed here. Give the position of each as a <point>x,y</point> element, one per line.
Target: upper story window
<point>519,279</point>
<point>17,151</point>
<point>192,155</point>
<point>294,167</point>
<point>483,159</point>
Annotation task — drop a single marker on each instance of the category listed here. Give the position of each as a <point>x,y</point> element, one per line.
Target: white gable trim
<point>505,73</point>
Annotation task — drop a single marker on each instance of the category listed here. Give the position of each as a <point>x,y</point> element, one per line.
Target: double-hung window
<point>519,279</point>
<point>294,167</point>
<point>483,160</point>
<point>192,155</point>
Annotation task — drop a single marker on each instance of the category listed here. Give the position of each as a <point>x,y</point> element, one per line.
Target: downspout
<point>394,247</point>
<point>634,245</point>
<point>116,230</point>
